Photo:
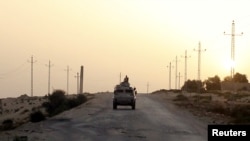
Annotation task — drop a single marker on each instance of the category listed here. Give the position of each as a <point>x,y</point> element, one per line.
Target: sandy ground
<point>155,118</point>
<point>207,117</point>
<point>198,105</point>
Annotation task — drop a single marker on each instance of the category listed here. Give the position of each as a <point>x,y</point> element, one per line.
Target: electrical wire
<point>14,71</point>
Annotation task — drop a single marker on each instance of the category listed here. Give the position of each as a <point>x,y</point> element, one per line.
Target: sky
<point>138,38</point>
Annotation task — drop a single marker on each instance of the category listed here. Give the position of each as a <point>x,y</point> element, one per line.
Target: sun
<point>229,64</point>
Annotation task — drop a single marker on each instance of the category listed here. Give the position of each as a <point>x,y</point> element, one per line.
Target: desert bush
<point>57,98</point>
<point>219,108</point>
<point>81,98</point>
<point>234,97</point>
<point>206,99</point>
<point>37,116</point>
<point>181,97</point>
<point>241,114</point>
<point>202,99</point>
<point>74,102</point>
<point>58,102</point>
<point>7,124</point>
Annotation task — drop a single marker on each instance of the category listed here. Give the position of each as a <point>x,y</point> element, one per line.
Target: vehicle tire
<point>114,106</point>
<point>133,106</point>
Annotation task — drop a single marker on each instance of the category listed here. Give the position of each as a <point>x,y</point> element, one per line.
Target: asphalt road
<point>153,120</point>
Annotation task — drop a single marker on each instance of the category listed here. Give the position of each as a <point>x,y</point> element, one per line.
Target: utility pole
<point>67,79</point>
<point>186,57</point>
<point>199,59</point>
<point>176,75</point>
<point>31,62</point>
<point>233,48</point>
<point>170,67</point>
<point>81,79</point>
<point>179,76</point>
<point>49,66</point>
<point>77,83</point>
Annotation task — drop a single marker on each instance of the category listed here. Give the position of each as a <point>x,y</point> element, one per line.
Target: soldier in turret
<point>125,81</point>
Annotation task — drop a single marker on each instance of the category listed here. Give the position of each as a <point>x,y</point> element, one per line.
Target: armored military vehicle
<point>124,95</point>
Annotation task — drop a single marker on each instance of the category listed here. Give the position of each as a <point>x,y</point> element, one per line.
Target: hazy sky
<point>138,38</point>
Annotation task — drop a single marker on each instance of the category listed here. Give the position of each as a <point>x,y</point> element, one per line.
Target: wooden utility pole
<point>170,68</point>
<point>67,80</point>
<point>81,79</point>
<point>176,69</point>
<point>49,66</point>
<point>77,83</point>
<point>31,62</point>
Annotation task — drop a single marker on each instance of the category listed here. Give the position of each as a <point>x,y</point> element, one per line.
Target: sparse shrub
<point>81,98</point>
<point>202,99</point>
<point>58,102</point>
<point>37,116</point>
<point>74,102</point>
<point>205,99</point>
<point>181,97</point>
<point>241,114</point>
<point>7,124</point>
<point>219,108</point>
<point>57,98</point>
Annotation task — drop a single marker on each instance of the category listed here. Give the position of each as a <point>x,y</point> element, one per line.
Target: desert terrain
<point>159,116</point>
<point>153,119</point>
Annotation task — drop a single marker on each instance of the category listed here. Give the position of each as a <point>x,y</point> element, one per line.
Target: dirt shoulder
<point>213,108</point>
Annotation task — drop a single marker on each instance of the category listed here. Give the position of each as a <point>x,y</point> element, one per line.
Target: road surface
<point>153,120</point>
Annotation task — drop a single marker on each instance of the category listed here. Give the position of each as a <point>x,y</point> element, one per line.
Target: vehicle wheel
<point>114,106</point>
<point>133,106</point>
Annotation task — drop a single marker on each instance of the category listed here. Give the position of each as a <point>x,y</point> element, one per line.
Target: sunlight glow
<point>229,64</point>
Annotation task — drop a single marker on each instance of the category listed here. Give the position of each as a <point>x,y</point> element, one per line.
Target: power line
<point>14,70</point>
<point>233,48</point>
<point>199,59</point>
